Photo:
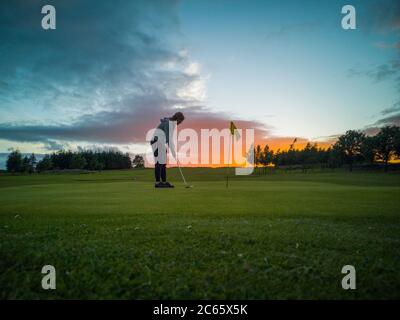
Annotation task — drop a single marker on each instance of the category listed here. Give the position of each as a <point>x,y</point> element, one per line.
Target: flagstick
<point>229,160</point>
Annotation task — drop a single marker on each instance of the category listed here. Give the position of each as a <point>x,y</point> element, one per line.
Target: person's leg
<point>157,171</point>
<point>164,175</point>
<point>157,168</point>
<point>163,172</point>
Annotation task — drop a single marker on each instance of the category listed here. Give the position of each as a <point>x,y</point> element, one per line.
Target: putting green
<point>112,235</point>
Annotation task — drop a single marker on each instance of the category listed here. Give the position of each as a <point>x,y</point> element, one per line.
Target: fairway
<point>277,236</point>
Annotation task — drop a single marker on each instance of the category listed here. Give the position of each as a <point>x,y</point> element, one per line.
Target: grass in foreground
<point>275,236</point>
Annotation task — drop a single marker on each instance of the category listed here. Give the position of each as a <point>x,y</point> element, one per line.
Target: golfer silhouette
<point>158,143</point>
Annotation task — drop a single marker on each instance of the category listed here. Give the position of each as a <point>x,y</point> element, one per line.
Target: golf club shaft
<point>180,170</point>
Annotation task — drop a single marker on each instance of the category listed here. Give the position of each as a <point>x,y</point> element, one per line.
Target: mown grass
<point>279,236</point>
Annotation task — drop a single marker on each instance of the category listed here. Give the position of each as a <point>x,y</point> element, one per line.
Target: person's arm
<point>171,142</point>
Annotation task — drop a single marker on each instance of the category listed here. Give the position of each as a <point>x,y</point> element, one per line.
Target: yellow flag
<point>234,131</point>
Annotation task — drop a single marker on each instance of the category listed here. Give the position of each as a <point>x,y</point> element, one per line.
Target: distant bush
<point>17,163</point>
<point>351,148</point>
<point>85,160</point>
<point>138,161</point>
<point>45,164</point>
<point>14,162</point>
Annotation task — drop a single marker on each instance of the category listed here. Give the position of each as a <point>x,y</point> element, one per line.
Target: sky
<point>112,69</point>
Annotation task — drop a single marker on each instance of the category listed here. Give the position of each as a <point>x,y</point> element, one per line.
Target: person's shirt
<point>165,125</point>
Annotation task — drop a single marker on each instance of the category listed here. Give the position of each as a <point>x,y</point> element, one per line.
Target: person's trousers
<point>160,170</point>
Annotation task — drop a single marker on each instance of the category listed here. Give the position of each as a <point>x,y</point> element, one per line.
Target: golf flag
<point>234,131</point>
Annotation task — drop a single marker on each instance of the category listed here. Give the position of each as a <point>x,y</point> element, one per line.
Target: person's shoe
<point>168,185</point>
<point>159,185</point>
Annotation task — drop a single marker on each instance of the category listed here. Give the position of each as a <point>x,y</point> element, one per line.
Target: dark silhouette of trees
<point>368,149</point>
<point>92,160</point>
<point>17,163</point>
<point>45,164</point>
<point>309,156</point>
<point>385,143</point>
<point>263,157</point>
<point>351,148</point>
<point>28,163</point>
<point>32,163</point>
<point>85,160</point>
<point>267,156</point>
<point>138,161</point>
<point>397,143</point>
<point>77,161</point>
<point>14,162</point>
<point>258,155</point>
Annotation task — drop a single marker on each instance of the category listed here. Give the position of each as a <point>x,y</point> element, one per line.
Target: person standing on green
<point>160,148</point>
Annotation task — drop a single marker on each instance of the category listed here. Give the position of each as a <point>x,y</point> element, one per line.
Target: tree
<point>44,164</point>
<point>25,167</point>
<point>77,162</point>
<point>257,155</point>
<point>333,158</point>
<point>267,155</point>
<point>309,155</point>
<point>32,163</point>
<point>385,142</point>
<point>368,149</point>
<point>349,146</point>
<point>138,161</point>
<point>397,143</point>
<point>94,164</point>
<point>14,161</point>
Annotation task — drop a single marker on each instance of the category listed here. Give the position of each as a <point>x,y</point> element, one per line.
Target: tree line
<point>353,147</point>
<point>67,160</point>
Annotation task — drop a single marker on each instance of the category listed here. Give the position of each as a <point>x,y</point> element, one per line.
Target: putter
<point>183,177</point>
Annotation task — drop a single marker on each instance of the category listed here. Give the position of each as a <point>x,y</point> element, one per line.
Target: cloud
<point>123,127</point>
<point>373,129</point>
<point>100,52</point>
<point>384,16</point>
<point>392,109</point>
<point>109,72</point>
<point>105,74</point>
<point>51,145</point>
<point>378,73</point>
<point>390,120</point>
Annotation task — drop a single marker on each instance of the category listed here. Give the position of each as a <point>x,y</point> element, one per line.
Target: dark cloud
<point>121,127</point>
<point>380,72</point>
<point>384,16</point>
<point>391,120</point>
<point>100,50</point>
<point>111,69</point>
<point>54,145</point>
<point>394,108</point>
